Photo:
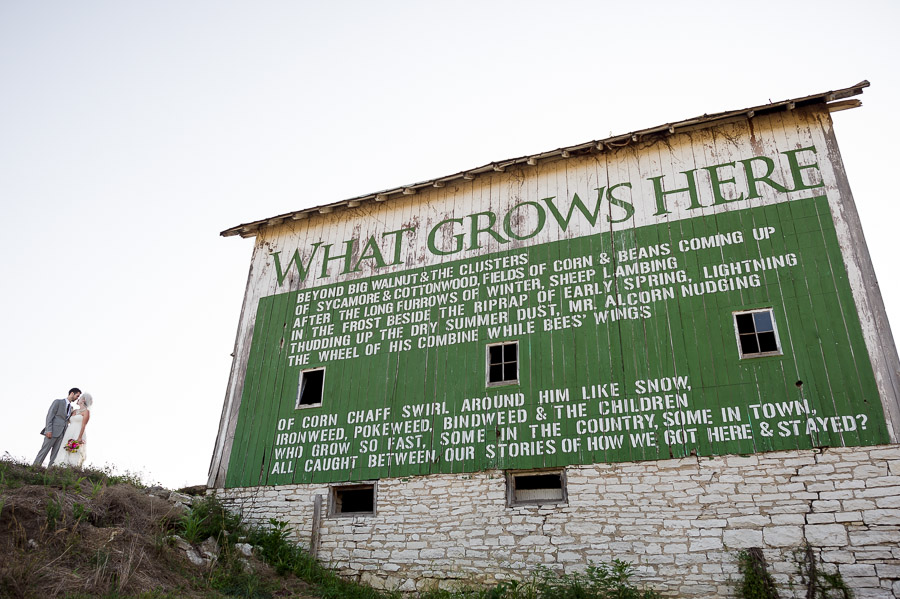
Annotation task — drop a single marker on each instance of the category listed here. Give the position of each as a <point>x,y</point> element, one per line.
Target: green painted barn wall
<point>688,338</point>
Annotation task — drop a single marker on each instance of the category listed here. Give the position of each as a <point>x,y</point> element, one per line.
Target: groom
<point>53,432</point>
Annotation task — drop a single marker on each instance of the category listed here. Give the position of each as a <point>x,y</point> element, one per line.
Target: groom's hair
<point>74,390</point>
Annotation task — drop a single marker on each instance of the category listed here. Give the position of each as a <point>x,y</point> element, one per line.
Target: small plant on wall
<point>819,583</point>
<point>756,582</point>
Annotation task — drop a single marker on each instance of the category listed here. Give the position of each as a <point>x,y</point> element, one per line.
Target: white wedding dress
<point>76,458</point>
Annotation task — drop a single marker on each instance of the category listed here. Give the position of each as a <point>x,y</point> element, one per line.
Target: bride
<point>75,431</point>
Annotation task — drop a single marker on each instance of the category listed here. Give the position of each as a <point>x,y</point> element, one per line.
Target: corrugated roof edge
<point>700,122</point>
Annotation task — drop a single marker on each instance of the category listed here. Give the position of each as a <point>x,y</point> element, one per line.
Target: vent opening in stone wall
<point>534,488</point>
<point>757,333</point>
<point>309,392</point>
<point>353,500</point>
<point>503,363</point>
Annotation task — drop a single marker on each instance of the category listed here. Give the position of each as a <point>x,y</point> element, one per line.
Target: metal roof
<point>836,100</point>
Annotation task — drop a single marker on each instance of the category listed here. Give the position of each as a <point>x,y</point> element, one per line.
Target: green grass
<point>15,474</point>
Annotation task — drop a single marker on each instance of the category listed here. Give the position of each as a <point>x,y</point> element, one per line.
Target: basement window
<point>503,363</point>
<point>757,334</point>
<point>536,488</point>
<point>309,393</point>
<point>353,500</point>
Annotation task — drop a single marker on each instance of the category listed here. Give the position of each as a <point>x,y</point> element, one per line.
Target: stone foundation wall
<point>680,522</point>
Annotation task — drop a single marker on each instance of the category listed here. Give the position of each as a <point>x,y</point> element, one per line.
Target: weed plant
<point>756,582</point>
<point>598,581</point>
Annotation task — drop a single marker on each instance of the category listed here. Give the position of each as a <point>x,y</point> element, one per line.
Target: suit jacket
<point>57,417</point>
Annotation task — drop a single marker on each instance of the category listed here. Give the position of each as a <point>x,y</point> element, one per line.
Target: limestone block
<point>815,470</point>
<point>883,481</point>
<point>742,538</point>
<point>888,570</point>
<point>889,453</point>
<point>838,557</point>
<point>848,517</point>
<point>209,549</point>
<point>826,535</point>
<point>740,461</point>
<point>849,484</point>
<point>874,537</point>
<point>842,494</point>
<point>882,517</point>
<point>872,491</point>
<point>857,570</point>
<point>820,518</point>
<point>706,544</point>
<point>712,498</point>
<point>709,523</point>
<point>775,497</point>
<point>888,502</point>
<point>659,559</point>
<point>581,528</point>
<point>826,506</point>
<point>783,519</point>
<point>562,540</point>
<point>783,536</point>
<point>865,588</point>
<point>754,521</point>
<point>856,505</point>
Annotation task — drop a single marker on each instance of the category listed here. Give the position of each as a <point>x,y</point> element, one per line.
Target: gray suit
<point>57,418</point>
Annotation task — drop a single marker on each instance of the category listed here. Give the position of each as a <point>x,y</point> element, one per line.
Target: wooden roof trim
<point>837,97</point>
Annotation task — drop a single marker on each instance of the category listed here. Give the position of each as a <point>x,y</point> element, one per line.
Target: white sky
<point>131,134</point>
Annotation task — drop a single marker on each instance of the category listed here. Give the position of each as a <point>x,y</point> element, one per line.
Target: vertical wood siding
<point>821,309</point>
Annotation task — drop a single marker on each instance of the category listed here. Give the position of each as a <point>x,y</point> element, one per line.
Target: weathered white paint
<point>769,135</point>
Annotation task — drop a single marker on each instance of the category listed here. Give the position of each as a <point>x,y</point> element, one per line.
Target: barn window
<point>536,488</point>
<point>353,500</point>
<point>503,363</point>
<point>309,393</point>
<point>756,333</point>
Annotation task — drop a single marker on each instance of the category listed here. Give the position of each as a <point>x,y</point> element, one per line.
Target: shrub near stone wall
<point>681,522</point>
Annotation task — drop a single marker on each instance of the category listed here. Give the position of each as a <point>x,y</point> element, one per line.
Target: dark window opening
<point>756,332</point>
<point>354,501</point>
<point>311,384</point>
<point>503,363</point>
<point>536,488</point>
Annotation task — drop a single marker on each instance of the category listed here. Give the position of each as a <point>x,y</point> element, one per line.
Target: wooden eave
<point>835,100</point>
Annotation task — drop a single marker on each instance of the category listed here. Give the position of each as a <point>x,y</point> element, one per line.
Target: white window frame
<point>512,475</point>
<point>487,363</point>
<point>298,405</point>
<point>737,334</point>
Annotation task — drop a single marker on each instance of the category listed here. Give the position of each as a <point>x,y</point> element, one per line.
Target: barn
<point>663,347</point>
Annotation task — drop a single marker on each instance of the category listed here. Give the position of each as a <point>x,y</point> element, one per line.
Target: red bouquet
<point>73,445</point>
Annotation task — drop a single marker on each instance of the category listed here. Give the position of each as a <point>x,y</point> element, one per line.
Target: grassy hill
<point>75,533</point>
<point>72,533</point>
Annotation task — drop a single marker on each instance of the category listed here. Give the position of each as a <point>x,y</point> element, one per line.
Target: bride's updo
<point>88,400</point>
